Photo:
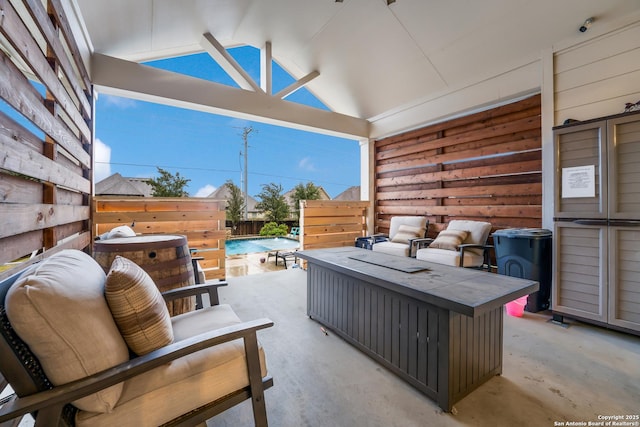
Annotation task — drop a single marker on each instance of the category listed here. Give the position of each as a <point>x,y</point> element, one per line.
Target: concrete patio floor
<point>248,264</point>
<point>551,374</point>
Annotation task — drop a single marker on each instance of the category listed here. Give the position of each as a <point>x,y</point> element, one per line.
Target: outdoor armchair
<point>403,231</point>
<point>462,244</point>
<point>83,348</point>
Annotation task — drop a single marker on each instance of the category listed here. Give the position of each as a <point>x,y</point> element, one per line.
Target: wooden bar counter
<point>437,327</point>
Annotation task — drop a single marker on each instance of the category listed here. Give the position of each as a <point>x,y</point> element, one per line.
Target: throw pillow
<point>406,233</point>
<point>58,309</point>
<point>121,231</point>
<point>137,307</point>
<point>449,239</point>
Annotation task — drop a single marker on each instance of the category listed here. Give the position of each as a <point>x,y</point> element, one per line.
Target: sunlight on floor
<point>246,264</point>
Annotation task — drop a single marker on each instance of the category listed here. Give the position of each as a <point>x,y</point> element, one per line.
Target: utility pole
<point>246,131</point>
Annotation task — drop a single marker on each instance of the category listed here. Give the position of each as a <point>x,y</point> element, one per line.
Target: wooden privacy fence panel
<point>45,136</point>
<point>329,223</point>
<point>486,166</point>
<point>252,227</point>
<point>201,220</point>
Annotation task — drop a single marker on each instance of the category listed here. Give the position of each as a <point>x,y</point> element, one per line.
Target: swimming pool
<point>247,246</point>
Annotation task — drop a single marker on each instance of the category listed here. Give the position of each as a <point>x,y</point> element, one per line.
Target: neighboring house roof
<point>351,193</point>
<point>288,196</point>
<point>223,193</point>
<point>117,185</point>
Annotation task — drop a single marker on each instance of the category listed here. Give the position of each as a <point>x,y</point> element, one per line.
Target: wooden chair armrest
<point>58,396</point>
<point>210,288</point>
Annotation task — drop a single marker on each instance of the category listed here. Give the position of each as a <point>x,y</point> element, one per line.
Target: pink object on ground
<point>516,307</point>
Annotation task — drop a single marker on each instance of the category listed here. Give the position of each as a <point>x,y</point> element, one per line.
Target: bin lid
<point>529,233</point>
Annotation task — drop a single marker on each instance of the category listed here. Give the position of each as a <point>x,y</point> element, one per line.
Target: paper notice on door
<point>579,181</point>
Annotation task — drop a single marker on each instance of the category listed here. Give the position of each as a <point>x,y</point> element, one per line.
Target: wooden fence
<point>45,136</point>
<point>252,227</point>
<point>329,223</point>
<point>484,166</point>
<point>201,220</point>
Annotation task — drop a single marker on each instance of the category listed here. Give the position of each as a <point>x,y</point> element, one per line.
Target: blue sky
<point>133,137</point>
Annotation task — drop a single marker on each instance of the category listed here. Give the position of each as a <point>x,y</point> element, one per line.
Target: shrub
<point>273,229</point>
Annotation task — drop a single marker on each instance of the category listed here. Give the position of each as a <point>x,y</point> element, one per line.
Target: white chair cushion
<point>392,248</point>
<point>414,221</point>
<point>447,257</point>
<point>58,308</point>
<point>168,391</point>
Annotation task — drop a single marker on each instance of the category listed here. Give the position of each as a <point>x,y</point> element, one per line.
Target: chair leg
<point>49,416</point>
<point>255,380</point>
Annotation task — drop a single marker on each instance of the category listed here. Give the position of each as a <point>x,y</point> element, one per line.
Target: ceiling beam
<point>297,85</point>
<point>266,66</point>
<point>132,80</point>
<point>228,64</point>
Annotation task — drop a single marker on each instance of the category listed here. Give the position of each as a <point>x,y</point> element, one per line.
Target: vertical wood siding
<point>445,355</point>
<point>45,135</point>
<point>476,350</point>
<point>402,332</point>
<point>485,166</point>
<point>201,220</point>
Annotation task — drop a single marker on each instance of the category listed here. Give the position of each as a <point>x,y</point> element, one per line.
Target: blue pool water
<point>247,246</point>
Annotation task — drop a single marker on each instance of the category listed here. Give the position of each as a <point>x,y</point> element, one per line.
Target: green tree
<point>303,192</point>
<point>273,203</point>
<point>168,185</point>
<point>235,204</point>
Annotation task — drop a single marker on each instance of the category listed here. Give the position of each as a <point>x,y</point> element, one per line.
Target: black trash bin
<point>526,253</point>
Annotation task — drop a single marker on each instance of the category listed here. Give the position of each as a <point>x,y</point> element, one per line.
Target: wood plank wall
<point>331,223</point>
<point>598,77</point>
<point>485,166</point>
<point>45,135</point>
<point>201,220</point>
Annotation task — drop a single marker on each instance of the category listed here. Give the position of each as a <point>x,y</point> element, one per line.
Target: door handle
<point>591,221</point>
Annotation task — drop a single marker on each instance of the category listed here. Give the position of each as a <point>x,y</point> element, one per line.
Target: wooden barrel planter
<point>165,258</point>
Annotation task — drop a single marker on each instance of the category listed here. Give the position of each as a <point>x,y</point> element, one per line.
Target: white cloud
<point>101,160</point>
<point>205,191</point>
<point>119,102</point>
<point>305,164</point>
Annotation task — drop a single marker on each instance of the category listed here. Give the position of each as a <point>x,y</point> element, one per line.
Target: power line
<point>224,170</point>
<point>167,167</point>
